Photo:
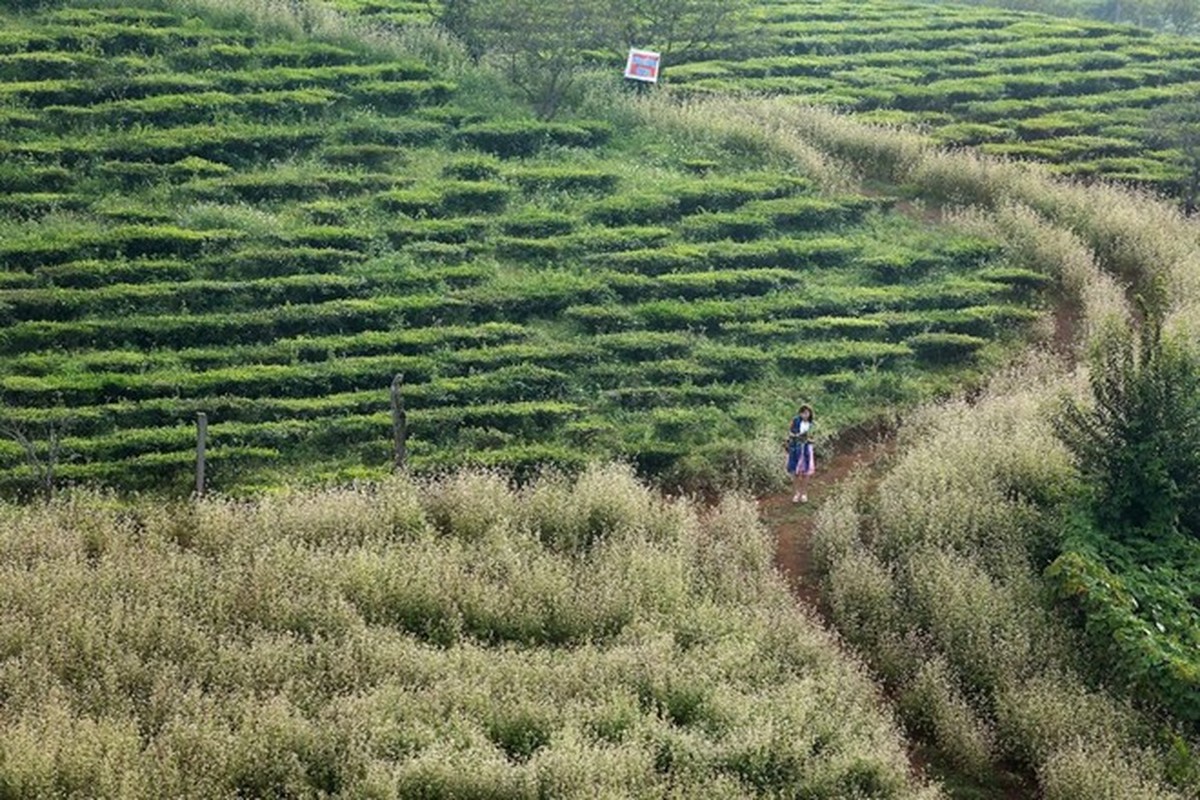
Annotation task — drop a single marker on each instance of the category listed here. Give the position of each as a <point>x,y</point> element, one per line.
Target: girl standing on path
<point>801,463</point>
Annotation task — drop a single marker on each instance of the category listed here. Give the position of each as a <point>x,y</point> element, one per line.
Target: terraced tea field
<point>198,218</point>
<point>1074,93</point>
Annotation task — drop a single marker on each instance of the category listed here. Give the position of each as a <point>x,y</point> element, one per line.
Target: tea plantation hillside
<point>206,218</point>
<point>1074,93</point>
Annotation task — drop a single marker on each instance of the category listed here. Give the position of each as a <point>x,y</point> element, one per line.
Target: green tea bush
<point>468,197</point>
<point>264,262</point>
<point>282,185</point>
<point>523,138</point>
<point>396,96</point>
<point>944,348</point>
<point>393,131</point>
<point>737,226</point>
<point>789,254</point>
<point>722,283</point>
<point>240,143</point>
<point>369,156</point>
<point>897,266</point>
<point>599,318</point>
<point>472,168</point>
<point>850,328</point>
<point>634,209</point>
<point>563,179</point>
<point>445,231</point>
<point>803,212</point>
<point>830,356</point>
<point>653,261</point>
<point>538,224</point>
<point>734,364</point>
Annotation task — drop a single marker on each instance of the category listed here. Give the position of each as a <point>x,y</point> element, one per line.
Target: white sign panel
<point>642,66</point>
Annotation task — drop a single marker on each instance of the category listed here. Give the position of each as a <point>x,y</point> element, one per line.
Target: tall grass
<point>451,638</point>
<point>934,577</point>
<point>934,574</point>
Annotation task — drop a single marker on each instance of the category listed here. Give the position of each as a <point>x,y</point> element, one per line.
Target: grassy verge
<point>455,638</point>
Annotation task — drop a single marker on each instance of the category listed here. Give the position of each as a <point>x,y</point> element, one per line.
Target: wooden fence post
<point>399,425</point>
<point>201,442</point>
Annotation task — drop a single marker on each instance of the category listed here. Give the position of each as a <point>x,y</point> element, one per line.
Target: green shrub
<point>538,224</point>
<point>472,168</point>
<point>465,197</point>
<point>944,348</point>
<point>804,213</point>
<point>1138,442</point>
<point>522,138</point>
<point>646,345</point>
<point>721,283</point>
<point>738,226</point>
<point>726,194</point>
<point>529,250</point>
<point>445,231</point>
<point>734,364</point>
<point>33,205</point>
<point>370,156</point>
<point>1024,282</point>
<point>393,131</point>
<point>831,356</point>
<point>819,252</point>
<point>610,240</point>
<point>634,209</point>
<point>397,96</point>
<point>563,179</point>
<point>27,178</point>
<point>265,262</point>
<point>600,318</point>
<point>679,258</point>
<point>897,265</point>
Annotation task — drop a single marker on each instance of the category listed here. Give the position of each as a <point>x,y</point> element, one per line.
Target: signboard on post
<point>643,66</point>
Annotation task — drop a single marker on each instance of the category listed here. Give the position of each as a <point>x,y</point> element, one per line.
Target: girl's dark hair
<point>806,407</point>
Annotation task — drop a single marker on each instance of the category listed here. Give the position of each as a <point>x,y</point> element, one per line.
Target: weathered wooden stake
<point>201,441</point>
<point>399,425</point>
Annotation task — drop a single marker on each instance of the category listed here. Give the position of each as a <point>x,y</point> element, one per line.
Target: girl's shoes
<point>796,498</point>
<point>803,498</point>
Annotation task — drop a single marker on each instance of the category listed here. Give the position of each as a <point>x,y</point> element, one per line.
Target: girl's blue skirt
<point>801,460</point>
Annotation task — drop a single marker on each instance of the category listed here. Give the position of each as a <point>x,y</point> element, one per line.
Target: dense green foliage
<point>1138,443</point>
<point>1137,602</point>
<point>455,639</point>
<point>268,229</point>
<point>1131,563</point>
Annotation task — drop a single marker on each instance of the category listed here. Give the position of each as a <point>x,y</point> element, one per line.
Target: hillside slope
<point>206,218</point>
<point>1075,94</point>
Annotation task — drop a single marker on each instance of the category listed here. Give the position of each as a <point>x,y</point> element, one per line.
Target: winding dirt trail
<point>792,524</point>
<point>865,451</point>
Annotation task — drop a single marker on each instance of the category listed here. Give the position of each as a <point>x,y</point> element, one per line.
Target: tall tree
<point>674,27</point>
<point>540,46</point>
<point>1180,16</point>
<point>1137,443</point>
